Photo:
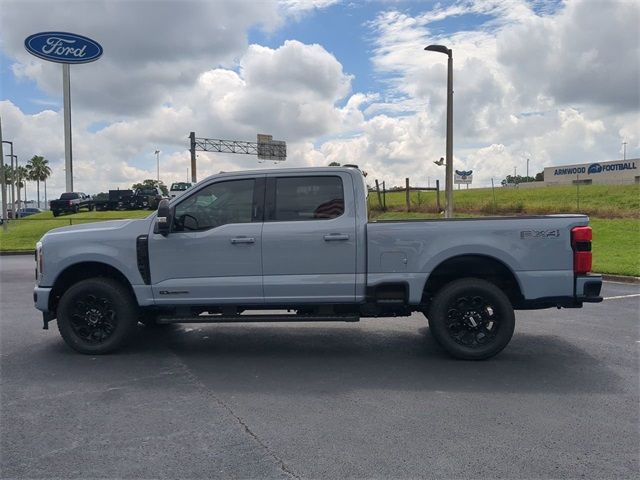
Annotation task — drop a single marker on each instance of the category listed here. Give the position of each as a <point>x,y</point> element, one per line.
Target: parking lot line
<point>622,296</point>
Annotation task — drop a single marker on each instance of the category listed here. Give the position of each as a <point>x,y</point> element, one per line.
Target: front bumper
<point>588,288</point>
<point>41,298</point>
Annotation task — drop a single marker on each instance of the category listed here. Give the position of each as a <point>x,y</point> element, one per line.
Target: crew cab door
<point>213,253</point>
<point>309,239</point>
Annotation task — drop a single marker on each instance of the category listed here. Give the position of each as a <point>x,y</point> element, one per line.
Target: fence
<point>606,201</point>
<point>382,195</point>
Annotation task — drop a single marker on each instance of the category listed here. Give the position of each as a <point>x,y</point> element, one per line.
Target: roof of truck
<point>304,170</point>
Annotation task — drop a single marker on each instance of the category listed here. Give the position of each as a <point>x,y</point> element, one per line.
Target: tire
<point>97,316</point>
<point>55,213</point>
<point>76,209</point>
<point>472,319</point>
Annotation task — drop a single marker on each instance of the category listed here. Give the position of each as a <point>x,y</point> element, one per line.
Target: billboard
<point>463,177</point>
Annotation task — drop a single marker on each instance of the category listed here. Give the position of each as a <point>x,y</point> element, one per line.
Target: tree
<point>540,176</point>
<point>334,164</point>
<point>149,183</point>
<point>511,180</point>
<point>39,171</point>
<point>101,196</point>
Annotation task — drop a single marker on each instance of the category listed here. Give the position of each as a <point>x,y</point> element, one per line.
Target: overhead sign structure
<point>270,149</point>
<point>265,148</point>
<point>65,48</point>
<point>463,177</point>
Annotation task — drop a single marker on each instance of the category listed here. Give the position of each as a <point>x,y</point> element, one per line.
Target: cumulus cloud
<point>149,47</point>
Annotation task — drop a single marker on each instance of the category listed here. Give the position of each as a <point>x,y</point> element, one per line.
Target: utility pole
<point>449,151</point>
<point>527,168</point>
<point>624,151</point>
<point>192,149</point>
<point>158,166</point>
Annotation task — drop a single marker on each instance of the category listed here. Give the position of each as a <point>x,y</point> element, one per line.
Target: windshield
<point>180,186</point>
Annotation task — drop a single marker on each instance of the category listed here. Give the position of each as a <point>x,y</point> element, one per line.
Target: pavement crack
<point>282,465</point>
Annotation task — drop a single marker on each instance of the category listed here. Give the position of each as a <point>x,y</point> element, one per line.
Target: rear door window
<point>307,198</point>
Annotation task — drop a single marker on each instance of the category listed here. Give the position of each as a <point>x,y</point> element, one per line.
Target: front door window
<point>215,205</point>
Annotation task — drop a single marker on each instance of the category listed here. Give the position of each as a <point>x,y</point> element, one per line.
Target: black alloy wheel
<point>471,319</point>
<point>96,316</point>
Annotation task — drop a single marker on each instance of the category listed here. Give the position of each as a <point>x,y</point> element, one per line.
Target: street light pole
<point>624,151</point>
<point>158,166</point>
<point>527,168</point>
<point>448,213</point>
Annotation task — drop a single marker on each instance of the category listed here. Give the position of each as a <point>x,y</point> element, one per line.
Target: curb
<point>620,278</point>
<point>18,252</point>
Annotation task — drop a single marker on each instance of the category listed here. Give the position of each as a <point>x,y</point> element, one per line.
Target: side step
<point>267,318</point>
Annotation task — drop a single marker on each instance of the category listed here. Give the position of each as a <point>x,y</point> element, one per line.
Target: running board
<point>267,318</point>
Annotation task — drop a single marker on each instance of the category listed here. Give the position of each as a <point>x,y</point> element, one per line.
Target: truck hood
<point>99,228</point>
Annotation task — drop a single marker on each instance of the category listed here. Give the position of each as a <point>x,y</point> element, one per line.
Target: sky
<point>340,81</point>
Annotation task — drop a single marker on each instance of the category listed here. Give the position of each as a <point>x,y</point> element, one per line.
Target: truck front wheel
<point>96,316</point>
<point>472,319</point>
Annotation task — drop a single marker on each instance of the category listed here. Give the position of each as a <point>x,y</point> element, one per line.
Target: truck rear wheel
<point>472,319</point>
<point>96,316</point>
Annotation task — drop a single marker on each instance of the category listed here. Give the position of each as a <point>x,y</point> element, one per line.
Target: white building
<point>617,171</point>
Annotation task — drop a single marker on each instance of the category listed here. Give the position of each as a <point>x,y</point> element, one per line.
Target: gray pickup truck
<point>296,245</point>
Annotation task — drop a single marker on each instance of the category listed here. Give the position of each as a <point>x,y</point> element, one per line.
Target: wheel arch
<point>480,266</point>
<point>77,272</point>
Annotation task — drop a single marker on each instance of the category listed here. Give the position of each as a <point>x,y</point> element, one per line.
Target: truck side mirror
<point>164,218</point>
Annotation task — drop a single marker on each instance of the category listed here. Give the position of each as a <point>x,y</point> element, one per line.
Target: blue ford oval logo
<point>63,47</point>
<point>595,168</point>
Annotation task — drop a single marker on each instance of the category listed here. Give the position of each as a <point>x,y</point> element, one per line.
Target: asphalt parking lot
<point>376,399</point>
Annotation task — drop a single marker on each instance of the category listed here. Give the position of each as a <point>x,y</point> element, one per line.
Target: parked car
<point>299,240</point>
<point>25,212</point>
<point>179,188</point>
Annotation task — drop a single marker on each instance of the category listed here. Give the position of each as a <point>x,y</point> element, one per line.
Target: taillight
<point>581,245</point>
<point>70,202</point>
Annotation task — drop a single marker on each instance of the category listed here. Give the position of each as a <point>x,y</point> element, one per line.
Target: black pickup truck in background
<point>142,198</point>
<point>71,202</point>
<point>116,201</point>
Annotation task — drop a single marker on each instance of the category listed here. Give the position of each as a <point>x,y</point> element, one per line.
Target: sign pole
<point>68,155</point>
<point>192,150</point>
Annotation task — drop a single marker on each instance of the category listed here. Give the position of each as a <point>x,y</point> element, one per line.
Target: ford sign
<point>63,47</point>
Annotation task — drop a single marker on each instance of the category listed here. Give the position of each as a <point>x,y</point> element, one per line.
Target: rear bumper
<point>588,288</point>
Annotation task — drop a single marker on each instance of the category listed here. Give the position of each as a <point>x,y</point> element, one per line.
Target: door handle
<point>237,240</point>
<point>334,237</point>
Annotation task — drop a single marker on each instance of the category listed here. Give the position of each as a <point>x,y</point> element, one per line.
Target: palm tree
<point>39,171</point>
<point>21,176</point>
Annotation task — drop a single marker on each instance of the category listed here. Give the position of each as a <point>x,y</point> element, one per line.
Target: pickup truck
<point>142,198</point>
<point>246,246</point>
<point>71,202</point>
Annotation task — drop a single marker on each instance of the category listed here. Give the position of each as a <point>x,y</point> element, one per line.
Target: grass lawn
<point>604,201</point>
<point>22,235</point>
